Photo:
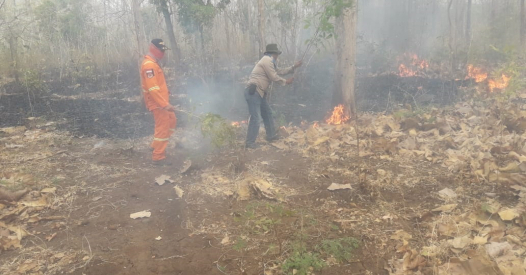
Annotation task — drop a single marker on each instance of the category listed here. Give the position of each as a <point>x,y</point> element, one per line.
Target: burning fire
<point>480,75</point>
<point>476,73</point>
<point>338,116</point>
<point>499,83</point>
<point>414,67</point>
<point>315,125</point>
<point>238,123</point>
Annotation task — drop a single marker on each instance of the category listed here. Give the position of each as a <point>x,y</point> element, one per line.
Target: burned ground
<point>421,191</point>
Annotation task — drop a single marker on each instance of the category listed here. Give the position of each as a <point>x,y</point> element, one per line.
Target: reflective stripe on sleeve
<point>154,88</point>
<point>161,139</point>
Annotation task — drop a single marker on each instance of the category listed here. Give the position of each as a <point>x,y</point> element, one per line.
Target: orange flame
<point>338,116</point>
<point>414,67</point>
<point>405,72</point>
<point>499,83</point>
<point>476,73</point>
<point>480,75</point>
<point>315,125</point>
<point>238,123</point>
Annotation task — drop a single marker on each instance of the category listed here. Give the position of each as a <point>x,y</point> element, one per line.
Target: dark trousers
<point>256,106</point>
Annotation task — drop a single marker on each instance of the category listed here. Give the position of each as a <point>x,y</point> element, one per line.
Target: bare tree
<point>468,22</point>
<point>261,26</point>
<point>523,25</point>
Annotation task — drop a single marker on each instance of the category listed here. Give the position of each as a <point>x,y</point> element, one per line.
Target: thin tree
<point>163,7</point>
<point>468,22</point>
<point>346,59</point>
<point>261,26</point>
<point>523,25</point>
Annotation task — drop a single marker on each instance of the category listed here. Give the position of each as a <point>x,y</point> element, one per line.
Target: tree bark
<point>261,26</point>
<point>170,32</point>
<point>468,22</point>
<point>346,61</point>
<point>523,25</point>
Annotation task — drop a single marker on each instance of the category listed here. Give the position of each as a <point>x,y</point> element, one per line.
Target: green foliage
<point>220,132</point>
<point>302,262</point>
<point>341,249</point>
<point>330,10</point>
<point>195,14</point>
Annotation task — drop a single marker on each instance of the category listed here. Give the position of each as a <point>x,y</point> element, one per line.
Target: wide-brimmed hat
<point>272,48</point>
<point>159,43</point>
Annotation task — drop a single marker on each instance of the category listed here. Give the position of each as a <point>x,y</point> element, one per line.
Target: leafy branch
<point>330,9</point>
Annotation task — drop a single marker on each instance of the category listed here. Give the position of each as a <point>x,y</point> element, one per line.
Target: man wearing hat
<point>256,93</point>
<point>157,99</point>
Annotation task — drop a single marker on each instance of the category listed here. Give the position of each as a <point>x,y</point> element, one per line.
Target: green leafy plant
<point>302,262</point>
<point>220,132</point>
<point>341,249</point>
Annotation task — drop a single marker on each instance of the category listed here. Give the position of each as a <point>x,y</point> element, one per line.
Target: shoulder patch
<point>149,73</point>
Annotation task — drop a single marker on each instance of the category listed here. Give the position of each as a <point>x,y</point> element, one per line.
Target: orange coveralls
<point>156,97</point>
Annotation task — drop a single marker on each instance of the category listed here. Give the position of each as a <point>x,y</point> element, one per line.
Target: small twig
<point>171,257</point>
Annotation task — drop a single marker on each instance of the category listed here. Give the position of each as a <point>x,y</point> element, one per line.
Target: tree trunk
<point>13,44</point>
<point>523,25</point>
<point>137,21</point>
<point>261,26</point>
<point>468,22</point>
<point>170,32</point>
<point>346,64</point>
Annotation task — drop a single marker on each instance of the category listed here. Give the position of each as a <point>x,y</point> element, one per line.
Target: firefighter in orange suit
<point>157,100</point>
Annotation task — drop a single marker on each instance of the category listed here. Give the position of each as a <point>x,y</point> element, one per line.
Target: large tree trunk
<point>346,59</point>
<point>261,26</point>
<point>523,25</point>
<point>468,22</point>
<point>170,32</point>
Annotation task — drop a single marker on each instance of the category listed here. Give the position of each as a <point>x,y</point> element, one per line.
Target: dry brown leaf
<point>401,235</point>
<point>42,202</point>
<point>460,242</point>
<point>447,194</point>
<point>445,208</point>
<point>509,214</point>
<point>142,214</point>
<point>413,261</point>
<point>495,250</point>
<point>10,242</point>
<point>178,191</point>
<point>162,179</point>
<point>479,240</point>
<point>478,265</point>
<point>337,186</point>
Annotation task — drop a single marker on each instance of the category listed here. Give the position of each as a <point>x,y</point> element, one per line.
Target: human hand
<point>298,64</point>
<point>289,81</point>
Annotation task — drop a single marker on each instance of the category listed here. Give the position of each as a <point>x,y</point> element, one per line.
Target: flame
<point>238,123</point>
<point>315,125</point>
<point>405,72</point>
<point>480,75</point>
<point>499,83</point>
<point>338,116</point>
<point>414,67</point>
<point>476,73</point>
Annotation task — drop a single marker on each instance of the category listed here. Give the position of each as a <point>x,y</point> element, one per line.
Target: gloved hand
<point>289,81</point>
